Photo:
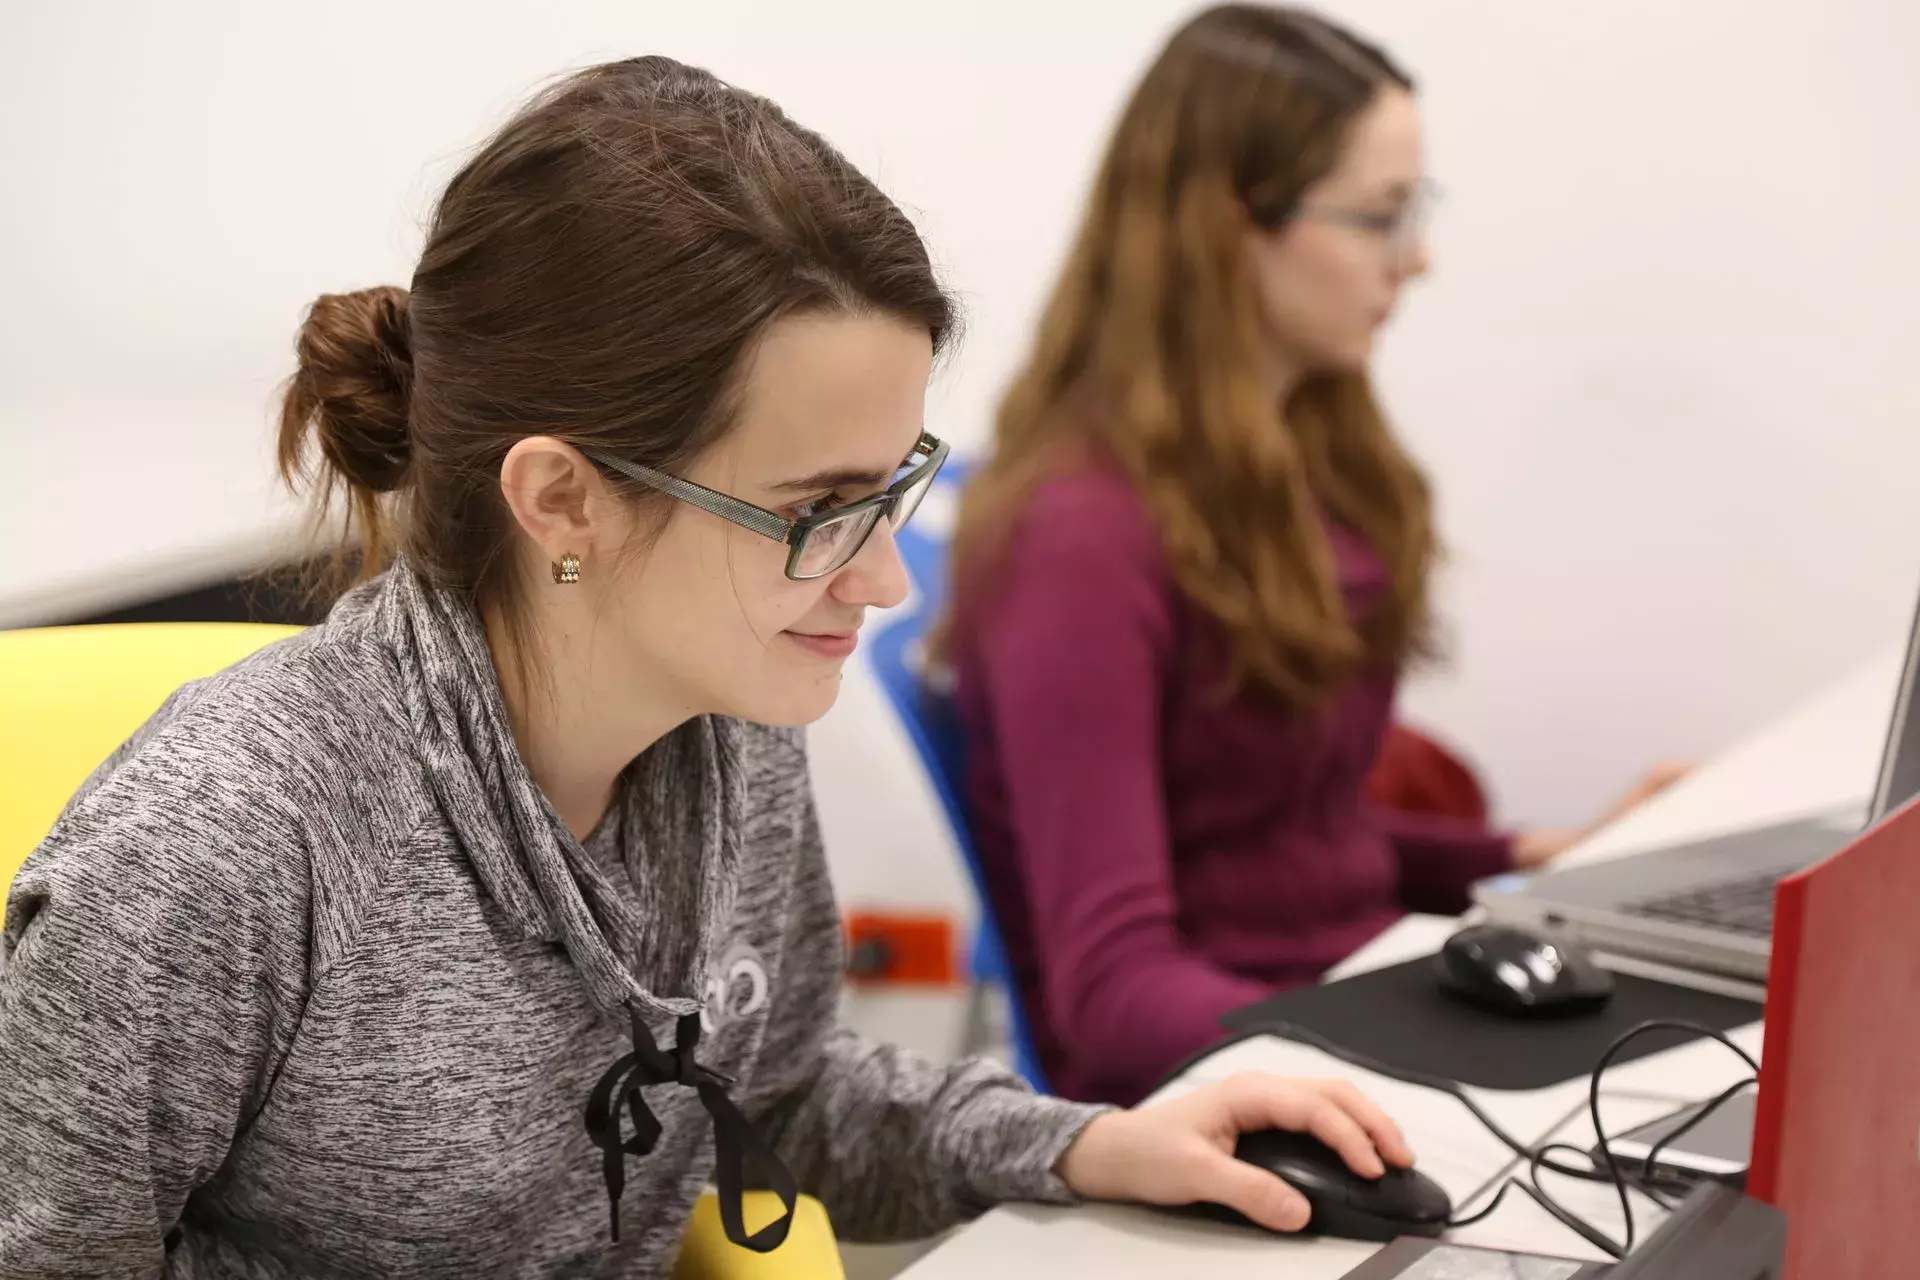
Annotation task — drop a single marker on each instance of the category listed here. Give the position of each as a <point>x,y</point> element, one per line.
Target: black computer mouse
<point>1402,1202</point>
<point>1520,972</point>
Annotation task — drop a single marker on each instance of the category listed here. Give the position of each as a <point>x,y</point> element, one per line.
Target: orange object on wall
<point>885,947</point>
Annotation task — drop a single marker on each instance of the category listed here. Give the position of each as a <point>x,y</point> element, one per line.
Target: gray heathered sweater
<point>311,981</point>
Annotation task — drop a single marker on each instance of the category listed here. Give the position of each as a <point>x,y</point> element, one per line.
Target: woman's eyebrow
<point>838,478</point>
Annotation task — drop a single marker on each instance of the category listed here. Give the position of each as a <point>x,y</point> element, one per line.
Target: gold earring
<point>568,570</point>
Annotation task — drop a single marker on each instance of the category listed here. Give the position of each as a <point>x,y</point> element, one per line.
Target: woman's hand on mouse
<point>1181,1151</point>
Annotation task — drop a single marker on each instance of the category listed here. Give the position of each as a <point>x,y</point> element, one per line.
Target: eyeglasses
<point>1399,229</point>
<point>818,544</point>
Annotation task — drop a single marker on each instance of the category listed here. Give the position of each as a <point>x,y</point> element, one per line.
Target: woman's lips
<point>826,644</point>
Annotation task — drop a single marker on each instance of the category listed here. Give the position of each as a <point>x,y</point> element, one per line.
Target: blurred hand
<point>1533,847</point>
<point>1538,845</point>
<point>1181,1151</point>
<point>1658,779</point>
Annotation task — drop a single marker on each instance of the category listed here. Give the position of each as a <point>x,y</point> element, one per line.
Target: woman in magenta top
<point>1197,560</point>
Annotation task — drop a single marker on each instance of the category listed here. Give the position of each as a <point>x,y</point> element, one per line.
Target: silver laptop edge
<point>1899,779</point>
<point>1590,902</point>
<point>1686,947</point>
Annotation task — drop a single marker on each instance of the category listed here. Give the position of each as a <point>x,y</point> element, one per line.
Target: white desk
<point>1819,757</point>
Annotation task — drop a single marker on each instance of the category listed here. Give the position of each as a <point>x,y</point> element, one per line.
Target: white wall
<point>1659,374</point>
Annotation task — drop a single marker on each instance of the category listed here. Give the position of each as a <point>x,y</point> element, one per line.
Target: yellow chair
<point>70,695</point>
<point>810,1252</point>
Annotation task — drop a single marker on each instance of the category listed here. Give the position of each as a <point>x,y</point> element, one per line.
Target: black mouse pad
<point>1400,1016</point>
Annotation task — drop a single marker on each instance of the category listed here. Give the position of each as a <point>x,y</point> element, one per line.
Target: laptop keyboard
<point>1735,906</point>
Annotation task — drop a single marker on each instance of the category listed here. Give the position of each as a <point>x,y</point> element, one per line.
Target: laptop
<point>1707,906</point>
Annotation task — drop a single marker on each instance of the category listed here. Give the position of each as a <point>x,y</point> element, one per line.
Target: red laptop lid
<point>1837,1136</point>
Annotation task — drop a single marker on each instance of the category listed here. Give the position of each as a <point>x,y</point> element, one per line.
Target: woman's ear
<point>556,497</point>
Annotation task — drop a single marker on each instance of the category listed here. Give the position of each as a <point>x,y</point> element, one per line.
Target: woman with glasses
<point>472,932</point>
<point>1188,577</point>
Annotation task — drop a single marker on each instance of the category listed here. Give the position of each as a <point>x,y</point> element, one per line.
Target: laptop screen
<point>1899,779</point>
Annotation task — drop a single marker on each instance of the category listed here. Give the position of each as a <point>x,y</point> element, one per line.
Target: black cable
<point>1567,1219</point>
<point>1654,1189</point>
<point>1604,1143</point>
<point>1586,1230</point>
<point>1439,1084</point>
<point>1500,1194</point>
<point>1693,1121</point>
<point>1538,1159</point>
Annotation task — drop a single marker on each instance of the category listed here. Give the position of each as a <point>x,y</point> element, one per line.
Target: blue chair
<point>932,722</point>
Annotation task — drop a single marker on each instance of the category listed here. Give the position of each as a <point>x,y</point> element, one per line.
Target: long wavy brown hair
<point>1148,352</point>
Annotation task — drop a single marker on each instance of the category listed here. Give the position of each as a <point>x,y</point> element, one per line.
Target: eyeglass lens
<point>832,543</point>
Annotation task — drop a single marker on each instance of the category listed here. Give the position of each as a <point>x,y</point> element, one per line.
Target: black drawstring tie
<point>734,1140</point>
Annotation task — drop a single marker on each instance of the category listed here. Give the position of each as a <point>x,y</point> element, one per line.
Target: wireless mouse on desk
<point>1402,1202</point>
<point>1522,973</point>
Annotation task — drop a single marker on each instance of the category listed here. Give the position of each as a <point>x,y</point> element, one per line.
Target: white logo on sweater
<point>736,988</point>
